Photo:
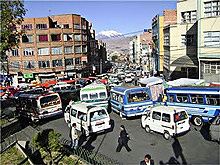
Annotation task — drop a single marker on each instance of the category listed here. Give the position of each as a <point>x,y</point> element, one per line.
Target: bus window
<point>102,95</point>
<point>114,97</point>
<point>98,115</point>
<point>197,99</point>
<point>137,97</point>
<point>156,115</point>
<point>166,117</point>
<point>212,100</point>
<point>48,100</point>
<point>93,96</point>
<point>171,98</point>
<point>182,98</point>
<point>84,97</point>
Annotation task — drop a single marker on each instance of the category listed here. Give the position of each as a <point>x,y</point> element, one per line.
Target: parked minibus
<point>131,100</point>
<point>95,94</point>
<point>37,106</point>
<point>201,103</point>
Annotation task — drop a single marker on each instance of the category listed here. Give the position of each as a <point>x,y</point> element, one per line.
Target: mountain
<point>114,41</point>
<point>103,35</point>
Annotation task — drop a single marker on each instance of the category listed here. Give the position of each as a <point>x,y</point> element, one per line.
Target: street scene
<point>92,83</point>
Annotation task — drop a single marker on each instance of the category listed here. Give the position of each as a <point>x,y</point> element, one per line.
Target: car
<point>167,120</point>
<point>214,129</point>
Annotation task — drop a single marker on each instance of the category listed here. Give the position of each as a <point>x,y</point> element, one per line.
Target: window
<point>84,27</point>
<point>117,97</point>
<point>28,38</point>
<point>42,38</point>
<point>211,67</point>
<point>84,37</point>
<point>29,64</point>
<point>197,99</point>
<point>76,26</point>
<point>28,52</point>
<point>166,117</point>
<point>156,115</point>
<point>77,60</point>
<point>211,9</point>
<point>171,98</point>
<point>213,100</point>
<point>56,50</point>
<point>69,61</point>
<point>55,37</point>
<point>26,27</point>
<point>44,64</point>
<point>77,37</point>
<point>43,51</point>
<point>85,97</point>
<point>67,37</point>
<point>14,52</point>
<point>179,116</point>
<point>188,16</point>
<point>212,39</point>
<point>166,39</point>
<point>41,26</point>
<point>188,40</point>
<point>78,49</point>
<point>93,96</point>
<point>15,65</point>
<point>182,98</point>
<point>102,95</point>
<point>68,49</point>
<point>138,96</point>
<point>98,115</point>
<point>73,112</point>
<point>57,63</point>
<point>84,49</point>
<point>66,26</point>
<point>82,116</point>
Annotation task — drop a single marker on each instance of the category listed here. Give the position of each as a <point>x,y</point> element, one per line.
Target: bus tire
<point>166,135</point>
<point>147,129</point>
<point>197,120</point>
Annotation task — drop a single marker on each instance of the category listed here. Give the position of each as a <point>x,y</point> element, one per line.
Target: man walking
<point>74,137</point>
<point>123,140</point>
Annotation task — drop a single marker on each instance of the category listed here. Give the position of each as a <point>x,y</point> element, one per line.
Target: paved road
<point>192,148</point>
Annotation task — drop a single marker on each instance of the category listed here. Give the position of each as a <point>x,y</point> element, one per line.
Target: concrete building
<point>54,46</point>
<point>209,39</point>
<point>158,22</point>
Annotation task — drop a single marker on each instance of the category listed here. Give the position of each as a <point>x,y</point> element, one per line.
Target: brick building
<point>60,45</point>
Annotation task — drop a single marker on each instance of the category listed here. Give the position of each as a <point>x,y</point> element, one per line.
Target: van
<point>88,118</point>
<point>167,120</point>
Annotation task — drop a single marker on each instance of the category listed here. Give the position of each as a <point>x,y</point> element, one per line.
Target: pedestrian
<point>123,140</point>
<point>147,160</point>
<point>74,137</point>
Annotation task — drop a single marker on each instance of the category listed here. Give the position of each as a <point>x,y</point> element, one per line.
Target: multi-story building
<point>51,46</point>
<point>158,22</point>
<point>209,40</point>
<point>192,46</point>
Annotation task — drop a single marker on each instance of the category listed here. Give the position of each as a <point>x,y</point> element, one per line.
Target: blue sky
<point>121,16</point>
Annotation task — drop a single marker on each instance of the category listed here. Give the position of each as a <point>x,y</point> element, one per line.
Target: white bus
<point>37,106</point>
<point>95,94</point>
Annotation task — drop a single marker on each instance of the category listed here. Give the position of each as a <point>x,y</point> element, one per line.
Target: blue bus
<point>130,100</point>
<point>201,103</point>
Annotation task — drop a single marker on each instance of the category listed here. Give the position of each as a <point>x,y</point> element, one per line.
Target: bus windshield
<point>138,96</point>
<point>49,100</point>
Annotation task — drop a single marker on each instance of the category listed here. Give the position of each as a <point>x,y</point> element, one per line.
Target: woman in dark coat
<point>123,140</point>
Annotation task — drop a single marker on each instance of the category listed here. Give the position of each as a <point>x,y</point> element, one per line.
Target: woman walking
<point>123,140</point>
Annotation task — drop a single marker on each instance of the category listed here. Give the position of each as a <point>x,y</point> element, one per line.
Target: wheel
<point>166,135</point>
<point>147,129</point>
<point>197,120</point>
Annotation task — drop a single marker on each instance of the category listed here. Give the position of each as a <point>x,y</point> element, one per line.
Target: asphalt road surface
<point>191,148</point>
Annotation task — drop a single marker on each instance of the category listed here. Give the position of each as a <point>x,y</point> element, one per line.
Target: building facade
<point>209,40</point>
<point>57,45</point>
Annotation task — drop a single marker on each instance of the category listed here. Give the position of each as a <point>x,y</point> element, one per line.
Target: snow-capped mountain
<point>108,34</point>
